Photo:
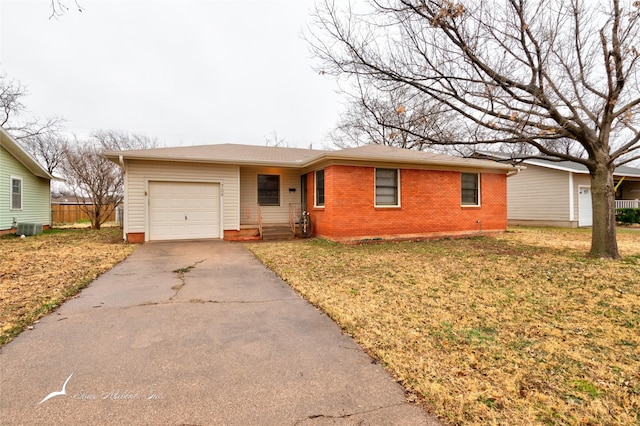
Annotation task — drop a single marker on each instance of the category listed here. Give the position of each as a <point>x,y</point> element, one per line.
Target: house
<point>558,193</point>
<point>24,187</point>
<point>355,194</point>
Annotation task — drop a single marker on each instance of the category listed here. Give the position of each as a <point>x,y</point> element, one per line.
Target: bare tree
<point>48,148</point>
<point>113,140</point>
<point>530,74</point>
<point>59,7</point>
<point>274,140</point>
<point>393,118</point>
<point>95,179</point>
<point>14,116</point>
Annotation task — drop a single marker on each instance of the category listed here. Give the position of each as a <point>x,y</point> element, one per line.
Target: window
<point>319,201</point>
<point>16,193</point>
<point>387,187</point>
<point>470,189</point>
<point>269,190</point>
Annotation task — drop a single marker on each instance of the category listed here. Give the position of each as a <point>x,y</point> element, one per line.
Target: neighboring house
<point>370,192</point>
<point>24,187</point>
<point>552,193</point>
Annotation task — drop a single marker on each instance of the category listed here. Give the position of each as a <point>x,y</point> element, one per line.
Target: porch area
<point>627,204</point>
<point>252,226</point>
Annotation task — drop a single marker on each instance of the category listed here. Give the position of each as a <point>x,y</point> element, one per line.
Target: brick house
<point>370,192</point>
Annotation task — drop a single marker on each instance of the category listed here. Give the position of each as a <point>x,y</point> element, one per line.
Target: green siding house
<point>24,187</point>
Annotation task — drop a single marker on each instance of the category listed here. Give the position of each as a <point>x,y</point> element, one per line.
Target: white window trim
<point>315,190</point>
<point>375,198</point>
<point>11,179</point>
<point>479,190</point>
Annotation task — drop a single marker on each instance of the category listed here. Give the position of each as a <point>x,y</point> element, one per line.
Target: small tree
<point>94,178</point>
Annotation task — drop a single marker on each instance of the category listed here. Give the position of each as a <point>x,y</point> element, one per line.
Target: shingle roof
<point>400,155</point>
<point>568,166</point>
<point>223,153</point>
<point>298,157</point>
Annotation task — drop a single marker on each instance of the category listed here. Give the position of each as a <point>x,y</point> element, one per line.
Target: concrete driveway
<point>223,342</point>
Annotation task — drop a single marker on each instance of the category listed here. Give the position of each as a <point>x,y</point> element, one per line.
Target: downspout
<point>124,233</point>
<point>509,174</point>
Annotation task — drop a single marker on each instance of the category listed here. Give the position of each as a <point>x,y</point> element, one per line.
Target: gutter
<point>516,171</point>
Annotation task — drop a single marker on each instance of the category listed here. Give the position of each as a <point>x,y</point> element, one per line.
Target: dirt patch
<point>38,273</point>
<point>521,328</point>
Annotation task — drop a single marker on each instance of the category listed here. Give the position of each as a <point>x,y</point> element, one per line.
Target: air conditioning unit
<point>29,229</point>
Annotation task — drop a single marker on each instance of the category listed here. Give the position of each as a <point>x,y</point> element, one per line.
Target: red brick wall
<point>429,205</point>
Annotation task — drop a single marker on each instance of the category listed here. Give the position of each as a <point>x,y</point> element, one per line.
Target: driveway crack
<point>346,416</point>
<point>216,302</point>
<point>181,276</point>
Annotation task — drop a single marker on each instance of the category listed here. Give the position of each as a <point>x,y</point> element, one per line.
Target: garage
<point>184,210</point>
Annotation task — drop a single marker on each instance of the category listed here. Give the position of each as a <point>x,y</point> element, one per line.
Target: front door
<point>584,206</point>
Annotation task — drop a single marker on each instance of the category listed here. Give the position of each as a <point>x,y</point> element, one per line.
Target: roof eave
<point>322,158</point>
<point>14,148</point>
<point>501,168</point>
<point>116,158</point>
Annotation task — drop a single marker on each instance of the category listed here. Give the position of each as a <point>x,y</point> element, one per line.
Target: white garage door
<point>585,216</point>
<point>184,210</point>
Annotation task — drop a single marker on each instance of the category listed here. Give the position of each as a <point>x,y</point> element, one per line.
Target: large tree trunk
<point>603,232</point>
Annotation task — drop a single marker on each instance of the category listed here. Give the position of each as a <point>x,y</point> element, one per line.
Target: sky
<point>183,71</point>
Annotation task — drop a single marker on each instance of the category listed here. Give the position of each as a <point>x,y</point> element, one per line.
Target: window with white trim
<point>269,190</point>
<point>470,189</point>
<point>319,186</point>
<point>387,187</point>
<point>16,193</point>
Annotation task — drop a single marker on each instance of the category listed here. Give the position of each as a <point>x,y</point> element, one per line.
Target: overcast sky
<point>187,72</point>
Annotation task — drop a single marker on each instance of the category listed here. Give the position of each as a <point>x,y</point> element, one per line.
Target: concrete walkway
<point>224,342</point>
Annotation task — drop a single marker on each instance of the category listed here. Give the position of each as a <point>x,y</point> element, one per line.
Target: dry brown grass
<point>517,329</point>
<point>38,273</point>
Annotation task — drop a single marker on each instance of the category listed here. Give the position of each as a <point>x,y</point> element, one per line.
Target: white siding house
<point>142,177</point>
<point>548,193</point>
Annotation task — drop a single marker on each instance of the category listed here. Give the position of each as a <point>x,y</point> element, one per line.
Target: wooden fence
<point>71,213</point>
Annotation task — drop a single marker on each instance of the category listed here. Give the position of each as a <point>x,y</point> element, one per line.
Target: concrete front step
<point>271,232</point>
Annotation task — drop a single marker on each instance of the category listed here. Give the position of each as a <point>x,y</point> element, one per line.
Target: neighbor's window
<point>319,201</point>
<point>387,188</point>
<point>269,190</point>
<point>470,189</point>
<point>16,193</point>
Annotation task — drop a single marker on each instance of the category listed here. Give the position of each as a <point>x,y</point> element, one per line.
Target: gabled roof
<point>302,158</point>
<point>566,166</point>
<point>14,148</point>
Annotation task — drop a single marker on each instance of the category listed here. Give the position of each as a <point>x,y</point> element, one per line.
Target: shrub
<point>628,216</point>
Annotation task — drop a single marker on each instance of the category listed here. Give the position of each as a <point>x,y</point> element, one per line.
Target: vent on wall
<point>29,228</point>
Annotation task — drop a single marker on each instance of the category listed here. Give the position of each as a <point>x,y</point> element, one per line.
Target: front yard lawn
<point>38,273</point>
<point>517,329</point>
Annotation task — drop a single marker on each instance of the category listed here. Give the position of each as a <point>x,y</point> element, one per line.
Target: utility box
<point>28,229</point>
